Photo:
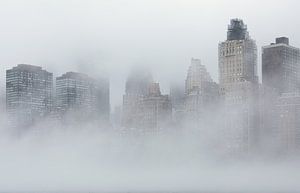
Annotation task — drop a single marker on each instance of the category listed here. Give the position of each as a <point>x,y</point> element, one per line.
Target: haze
<point>112,35</point>
<point>108,38</point>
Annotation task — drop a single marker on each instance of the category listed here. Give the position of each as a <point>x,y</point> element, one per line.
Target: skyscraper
<point>136,88</point>
<point>197,76</point>
<point>288,132</point>
<point>177,99</point>
<point>145,109</point>
<point>201,93</point>
<point>237,57</point>
<point>28,94</point>
<point>80,97</point>
<point>155,110</point>
<point>281,66</point>
<point>281,78</point>
<point>239,86</point>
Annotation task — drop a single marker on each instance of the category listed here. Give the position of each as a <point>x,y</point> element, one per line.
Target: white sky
<point>109,36</point>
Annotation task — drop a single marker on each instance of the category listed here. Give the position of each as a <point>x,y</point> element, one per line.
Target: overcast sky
<point>109,36</point>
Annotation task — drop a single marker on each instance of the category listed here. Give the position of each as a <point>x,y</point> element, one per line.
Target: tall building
<point>80,97</point>
<point>239,87</point>
<point>281,66</point>
<point>28,94</point>
<point>281,78</point>
<point>237,56</point>
<point>201,93</point>
<point>177,99</point>
<point>288,134</point>
<point>268,112</point>
<point>155,110</point>
<point>197,76</point>
<point>145,109</point>
<point>136,88</point>
<point>116,117</point>
<point>2,102</point>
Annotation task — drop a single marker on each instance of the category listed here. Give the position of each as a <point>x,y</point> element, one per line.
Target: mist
<point>86,159</point>
<point>110,38</point>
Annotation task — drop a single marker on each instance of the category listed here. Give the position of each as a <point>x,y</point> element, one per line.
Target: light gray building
<point>80,97</point>
<point>28,94</point>
<point>136,88</point>
<point>177,97</point>
<point>288,133</point>
<point>145,109</point>
<point>239,87</point>
<point>197,76</point>
<point>155,110</point>
<point>201,94</point>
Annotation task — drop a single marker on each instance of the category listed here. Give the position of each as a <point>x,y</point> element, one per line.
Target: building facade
<point>145,109</point>
<point>197,76</point>
<point>177,98</point>
<point>136,88</point>
<point>80,97</point>
<point>239,87</point>
<point>155,110</point>
<point>201,94</point>
<point>280,108</point>
<point>29,92</point>
<point>281,66</point>
<point>288,133</point>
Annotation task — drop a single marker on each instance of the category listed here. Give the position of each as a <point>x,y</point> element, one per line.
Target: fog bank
<point>86,159</point>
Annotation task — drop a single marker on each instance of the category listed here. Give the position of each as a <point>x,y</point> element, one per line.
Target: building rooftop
<point>237,30</point>
<point>28,68</point>
<point>280,41</point>
<point>73,75</point>
<point>154,89</point>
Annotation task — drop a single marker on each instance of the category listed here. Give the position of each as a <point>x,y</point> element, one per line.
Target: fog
<point>88,160</point>
<point>109,38</point>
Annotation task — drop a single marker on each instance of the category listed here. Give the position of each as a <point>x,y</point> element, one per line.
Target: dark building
<point>280,101</point>
<point>281,66</point>
<point>237,30</point>
<point>28,94</point>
